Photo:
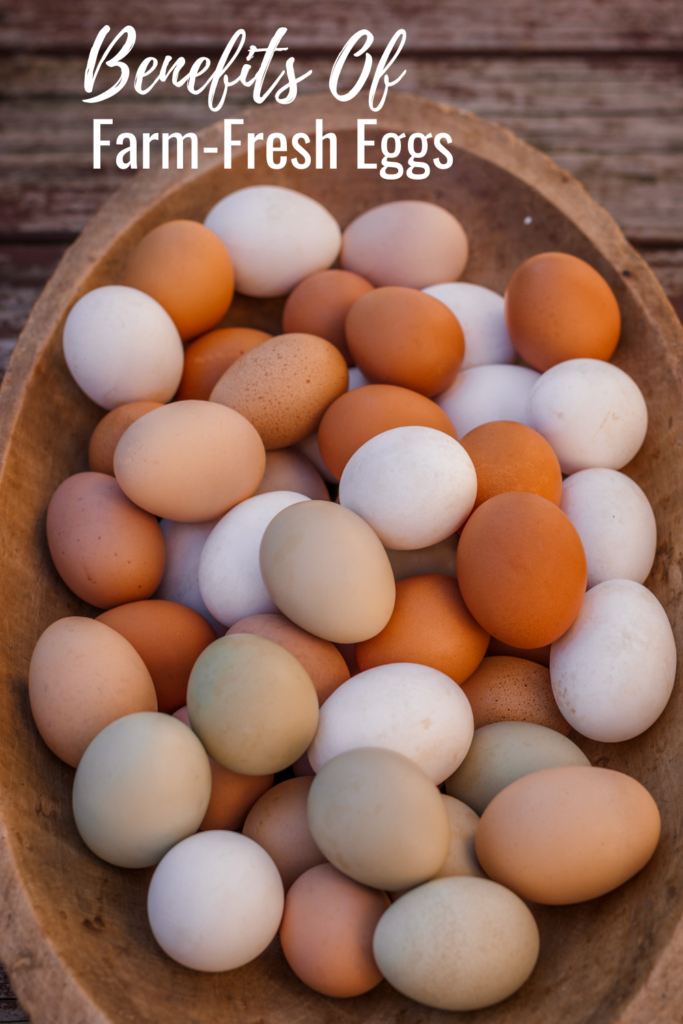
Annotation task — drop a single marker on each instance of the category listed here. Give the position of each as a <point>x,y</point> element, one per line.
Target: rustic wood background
<point>596,84</point>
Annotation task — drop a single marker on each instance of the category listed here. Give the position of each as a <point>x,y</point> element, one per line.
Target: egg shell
<point>412,709</point>
<point>321,659</point>
<point>109,431</point>
<point>509,456</point>
<point>541,655</point>
<point>402,336</point>
<point>613,671</point>
<point>327,571</point>
<point>409,243</point>
<point>430,625</point>
<point>503,752</point>
<point>288,469</point>
<point>481,314</point>
<point>461,858</point>
<point>142,785</point>
<point>252,704</point>
<point>557,307</point>
<point>184,543</point>
<point>278,822</point>
<point>457,944</point>
<point>275,236</point>
<point>283,386</point>
<point>82,676</point>
<point>378,818</point>
<point>591,412</point>
<point>486,393</point>
<point>508,689</point>
<point>311,449</point>
<point>122,346</point>
<point>190,461</point>
<point>215,901</point>
<point>105,548</point>
<point>230,578</point>
<point>207,359</point>
<point>414,485</point>
<point>232,795</point>
<point>319,304</point>
<point>521,569</point>
<point>437,558</point>
<point>327,931</point>
<point>355,417</point>
<point>169,638</point>
<point>187,269</point>
<point>564,835</point>
<point>615,522</point>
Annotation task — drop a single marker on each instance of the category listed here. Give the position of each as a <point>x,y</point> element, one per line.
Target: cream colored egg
<point>486,393</point>
<point>184,543</point>
<point>461,858</point>
<point>481,314</point>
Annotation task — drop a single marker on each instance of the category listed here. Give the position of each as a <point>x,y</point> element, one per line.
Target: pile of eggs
<point>374,759</point>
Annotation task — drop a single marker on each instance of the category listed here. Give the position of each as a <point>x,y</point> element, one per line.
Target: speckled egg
<point>509,689</point>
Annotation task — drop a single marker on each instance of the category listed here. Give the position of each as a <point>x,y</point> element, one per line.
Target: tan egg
<point>284,386</point>
<point>208,357</point>
<point>109,431</point>
<point>288,469</point>
<point>278,822</point>
<point>437,558</point>
<point>321,659</point>
<point>320,303</point>
<point>83,675</point>
<point>565,835</point>
<point>461,858</point>
<point>105,548</point>
<point>190,461</point>
<point>187,269</point>
<point>504,689</point>
<point>327,571</point>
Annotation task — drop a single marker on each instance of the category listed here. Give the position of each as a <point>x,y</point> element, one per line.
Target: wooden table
<point>596,84</point>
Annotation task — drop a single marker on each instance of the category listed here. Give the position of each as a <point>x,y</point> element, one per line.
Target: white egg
<point>230,578</point>
<point>613,670</point>
<point>215,901</point>
<point>122,346</point>
<point>486,393</point>
<point>615,522</point>
<point>590,412</point>
<point>415,486</point>
<point>311,449</point>
<point>275,236</point>
<point>180,583</point>
<point>481,314</point>
<point>413,709</point>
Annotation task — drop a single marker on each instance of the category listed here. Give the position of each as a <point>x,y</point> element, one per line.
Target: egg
<point>485,393</point>
<point>83,676</point>
<point>122,346</point>
<point>521,569</point>
<point>288,469</point>
<point>184,543</point>
<point>109,431</point>
<point>187,269</point>
<point>564,835</point>
<point>283,386</point>
<point>105,548</point>
<point>278,822</point>
<point>404,337</point>
<point>437,558</point>
<point>207,359</point>
<point>557,307</point>
<point>275,236</point>
<point>510,456</point>
<point>319,304</point>
<point>430,625</point>
<point>409,243</point>
<point>310,448</point>
<point>190,461</point>
<point>461,858</point>
<point>509,689</point>
<point>481,314</point>
<point>327,931</point>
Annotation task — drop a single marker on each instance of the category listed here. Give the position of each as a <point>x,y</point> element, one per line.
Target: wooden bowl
<point>74,935</point>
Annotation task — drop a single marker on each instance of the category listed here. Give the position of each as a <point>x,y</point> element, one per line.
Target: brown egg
<point>327,930</point>
<point>320,658</point>
<point>109,431</point>
<point>521,569</point>
<point>105,548</point>
<point>169,638</point>
<point>278,822</point>
<point>208,357</point>
<point>284,385</point>
<point>430,625</point>
<point>563,835</point>
<point>187,269</point>
<point>288,469</point>
<point>558,307</point>
<point>232,795</point>
<point>405,337</point>
<point>320,303</point>
<point>358,415</point>
<point>512,457</point>
<point>541,655</point>
<point>513,690</point>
